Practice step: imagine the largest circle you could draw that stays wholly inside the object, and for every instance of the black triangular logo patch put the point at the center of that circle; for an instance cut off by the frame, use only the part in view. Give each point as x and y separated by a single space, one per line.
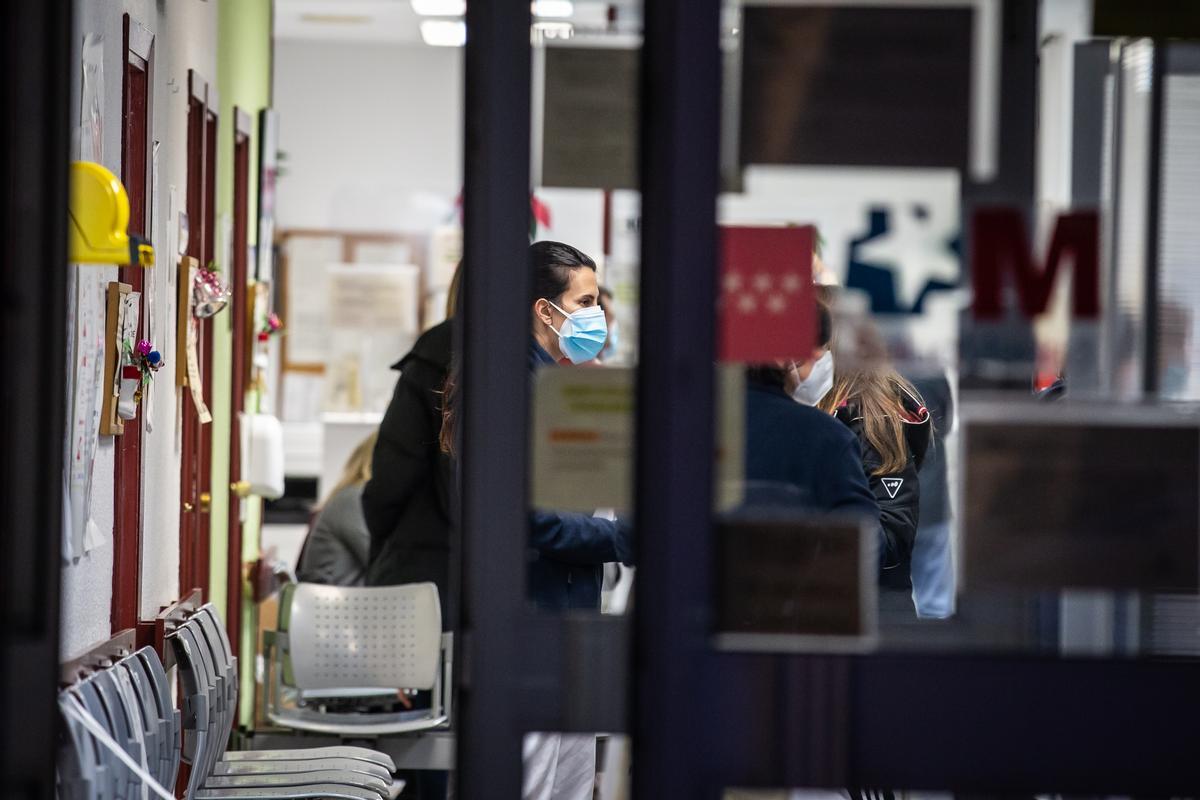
892 485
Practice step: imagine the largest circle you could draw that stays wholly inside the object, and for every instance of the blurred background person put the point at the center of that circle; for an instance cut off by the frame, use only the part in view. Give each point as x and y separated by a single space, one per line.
609 353
933 558
337 547
888 417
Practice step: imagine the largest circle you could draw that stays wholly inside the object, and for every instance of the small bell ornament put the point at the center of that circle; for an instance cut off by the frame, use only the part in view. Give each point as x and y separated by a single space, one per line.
209 293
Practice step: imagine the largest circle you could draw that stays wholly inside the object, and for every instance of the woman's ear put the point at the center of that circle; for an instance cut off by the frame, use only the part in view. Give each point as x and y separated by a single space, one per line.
541 309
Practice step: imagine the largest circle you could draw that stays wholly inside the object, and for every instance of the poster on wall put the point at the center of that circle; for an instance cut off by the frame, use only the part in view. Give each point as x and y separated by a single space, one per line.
268 172
86 374
306 298
91 110
373 319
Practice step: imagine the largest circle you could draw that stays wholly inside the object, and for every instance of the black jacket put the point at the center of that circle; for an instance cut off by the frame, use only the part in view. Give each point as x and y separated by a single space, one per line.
567 550
804 453
406 502
898 494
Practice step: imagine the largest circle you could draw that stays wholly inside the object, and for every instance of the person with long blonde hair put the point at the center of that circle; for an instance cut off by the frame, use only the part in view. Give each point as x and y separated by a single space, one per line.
894 429
337 547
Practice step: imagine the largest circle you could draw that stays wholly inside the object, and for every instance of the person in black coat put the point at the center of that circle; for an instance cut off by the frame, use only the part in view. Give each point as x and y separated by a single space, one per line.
797 452
888 417
893 478
406 501
566 550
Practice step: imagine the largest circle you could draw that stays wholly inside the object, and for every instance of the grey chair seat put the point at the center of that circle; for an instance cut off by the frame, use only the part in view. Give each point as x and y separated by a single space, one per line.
281 766
336 751
323 791
261 780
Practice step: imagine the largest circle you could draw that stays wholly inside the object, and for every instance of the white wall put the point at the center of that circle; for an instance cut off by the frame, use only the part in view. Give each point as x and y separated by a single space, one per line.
185 37
372 134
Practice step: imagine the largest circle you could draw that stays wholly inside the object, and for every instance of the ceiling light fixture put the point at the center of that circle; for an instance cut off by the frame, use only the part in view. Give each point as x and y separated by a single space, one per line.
444 32
336 19
439 8
556 9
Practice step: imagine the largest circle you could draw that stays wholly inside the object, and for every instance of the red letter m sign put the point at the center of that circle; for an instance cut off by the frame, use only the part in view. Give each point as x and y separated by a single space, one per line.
999 245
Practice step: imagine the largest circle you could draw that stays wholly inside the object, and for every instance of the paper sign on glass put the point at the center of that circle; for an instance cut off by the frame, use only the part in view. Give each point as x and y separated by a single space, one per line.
583 421
582 438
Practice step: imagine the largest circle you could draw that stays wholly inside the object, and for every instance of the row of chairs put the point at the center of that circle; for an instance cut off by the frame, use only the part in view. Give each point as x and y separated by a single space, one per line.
127 707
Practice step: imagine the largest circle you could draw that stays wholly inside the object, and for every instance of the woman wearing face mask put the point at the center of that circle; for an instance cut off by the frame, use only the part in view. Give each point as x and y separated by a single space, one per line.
567 550
893 427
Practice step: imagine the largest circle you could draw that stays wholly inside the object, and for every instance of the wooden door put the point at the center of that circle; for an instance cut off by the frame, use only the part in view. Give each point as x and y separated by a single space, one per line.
196 457
127 478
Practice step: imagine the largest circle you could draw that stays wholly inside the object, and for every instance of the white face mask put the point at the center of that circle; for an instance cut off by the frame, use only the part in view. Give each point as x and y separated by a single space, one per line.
818 383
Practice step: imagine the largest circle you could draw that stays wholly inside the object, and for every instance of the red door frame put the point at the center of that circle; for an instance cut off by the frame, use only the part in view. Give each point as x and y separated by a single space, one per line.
204 507
196 457
127 477
240 363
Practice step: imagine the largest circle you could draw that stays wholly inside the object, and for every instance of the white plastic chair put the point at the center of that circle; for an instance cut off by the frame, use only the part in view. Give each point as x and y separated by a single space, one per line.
367 643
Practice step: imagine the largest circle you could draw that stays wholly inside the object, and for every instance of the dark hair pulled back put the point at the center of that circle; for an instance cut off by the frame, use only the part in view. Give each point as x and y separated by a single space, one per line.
552 264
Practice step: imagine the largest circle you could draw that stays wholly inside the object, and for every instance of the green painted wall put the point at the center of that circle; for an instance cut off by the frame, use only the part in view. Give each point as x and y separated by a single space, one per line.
244 43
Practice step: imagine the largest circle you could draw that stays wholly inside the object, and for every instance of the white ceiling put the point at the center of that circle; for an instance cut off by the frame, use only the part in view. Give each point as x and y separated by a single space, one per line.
395 21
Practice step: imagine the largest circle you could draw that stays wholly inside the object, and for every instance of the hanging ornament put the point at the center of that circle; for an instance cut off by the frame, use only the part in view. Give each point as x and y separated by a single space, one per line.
209 293
140 363
272 326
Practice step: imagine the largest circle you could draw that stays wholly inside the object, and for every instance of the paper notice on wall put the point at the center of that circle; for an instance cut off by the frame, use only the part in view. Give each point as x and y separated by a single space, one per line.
193 370
372 314
152 279
171 231
306 293
582 438
91 110
87 373
127 324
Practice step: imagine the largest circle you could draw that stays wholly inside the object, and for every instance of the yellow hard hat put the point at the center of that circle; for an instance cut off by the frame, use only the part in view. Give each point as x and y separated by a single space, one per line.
99 220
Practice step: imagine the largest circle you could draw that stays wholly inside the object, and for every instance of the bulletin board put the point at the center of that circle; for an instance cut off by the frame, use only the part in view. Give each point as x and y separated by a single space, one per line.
304 288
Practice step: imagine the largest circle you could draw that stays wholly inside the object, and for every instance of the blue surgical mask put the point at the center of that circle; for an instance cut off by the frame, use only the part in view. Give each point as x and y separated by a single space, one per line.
612 343
582 334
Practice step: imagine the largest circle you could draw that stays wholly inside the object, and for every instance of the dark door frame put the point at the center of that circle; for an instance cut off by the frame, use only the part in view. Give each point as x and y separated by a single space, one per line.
191 538
135 174
37 52
704 720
